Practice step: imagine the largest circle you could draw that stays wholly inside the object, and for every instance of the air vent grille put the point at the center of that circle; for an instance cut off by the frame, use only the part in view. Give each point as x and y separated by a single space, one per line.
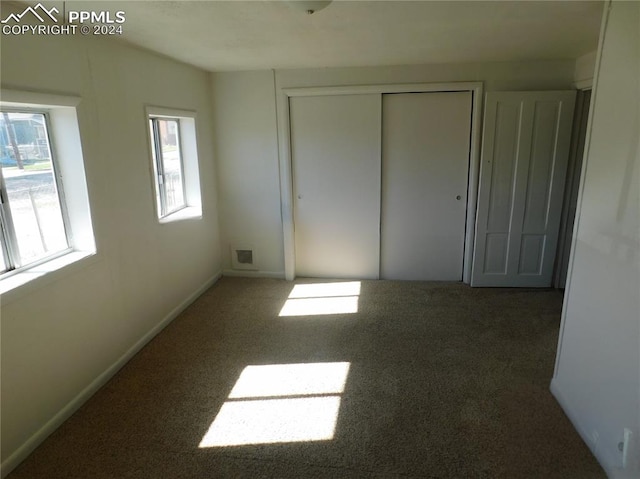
243 257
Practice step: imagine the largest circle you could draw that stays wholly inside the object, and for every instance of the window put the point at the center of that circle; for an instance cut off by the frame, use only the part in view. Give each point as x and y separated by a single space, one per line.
43 227
174 155
32 216
167 159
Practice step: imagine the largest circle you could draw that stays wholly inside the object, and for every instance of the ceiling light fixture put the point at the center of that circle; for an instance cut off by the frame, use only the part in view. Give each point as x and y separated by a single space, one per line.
308 6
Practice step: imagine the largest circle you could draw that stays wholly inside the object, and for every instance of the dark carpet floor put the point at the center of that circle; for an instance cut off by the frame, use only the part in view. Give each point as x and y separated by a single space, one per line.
443 381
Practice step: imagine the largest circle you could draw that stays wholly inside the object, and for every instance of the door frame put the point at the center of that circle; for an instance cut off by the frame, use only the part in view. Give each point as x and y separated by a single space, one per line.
572 184
286 167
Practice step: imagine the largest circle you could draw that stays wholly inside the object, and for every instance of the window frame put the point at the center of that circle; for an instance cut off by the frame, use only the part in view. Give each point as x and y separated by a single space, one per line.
159 167
188 144
8 238
66 142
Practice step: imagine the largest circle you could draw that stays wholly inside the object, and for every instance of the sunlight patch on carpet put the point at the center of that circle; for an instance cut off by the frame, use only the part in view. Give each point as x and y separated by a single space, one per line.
322 299
279 380
323 290
270 421
280 403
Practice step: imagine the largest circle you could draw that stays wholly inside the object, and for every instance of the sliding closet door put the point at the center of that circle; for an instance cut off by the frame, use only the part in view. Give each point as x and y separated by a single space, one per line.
425 168
335 145
525 148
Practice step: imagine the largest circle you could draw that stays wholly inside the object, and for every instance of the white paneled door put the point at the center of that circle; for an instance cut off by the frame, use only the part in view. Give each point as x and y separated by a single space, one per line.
425 169
335 149
524 160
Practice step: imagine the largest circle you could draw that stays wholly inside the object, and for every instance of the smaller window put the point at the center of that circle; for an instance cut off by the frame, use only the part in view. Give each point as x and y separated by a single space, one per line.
168 165
174 164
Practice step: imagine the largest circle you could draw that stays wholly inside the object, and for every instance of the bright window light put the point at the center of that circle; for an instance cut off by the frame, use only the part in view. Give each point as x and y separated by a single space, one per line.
270 421
322 298
33 223
280 403
174 158
276 380
323 290
167 157
42 228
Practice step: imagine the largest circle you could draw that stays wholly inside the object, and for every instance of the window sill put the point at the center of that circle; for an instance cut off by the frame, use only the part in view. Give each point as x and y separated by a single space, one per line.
19 281
188 213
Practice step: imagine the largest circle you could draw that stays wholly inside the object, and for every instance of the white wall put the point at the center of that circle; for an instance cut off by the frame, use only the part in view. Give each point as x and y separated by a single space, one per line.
547 75
247 151
597 377
60 334
246 134
583 74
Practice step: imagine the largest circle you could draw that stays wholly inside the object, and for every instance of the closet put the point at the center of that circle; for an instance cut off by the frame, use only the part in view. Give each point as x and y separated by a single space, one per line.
380 184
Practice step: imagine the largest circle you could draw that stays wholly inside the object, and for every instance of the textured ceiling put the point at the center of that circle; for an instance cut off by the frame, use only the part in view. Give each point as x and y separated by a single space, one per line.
241 35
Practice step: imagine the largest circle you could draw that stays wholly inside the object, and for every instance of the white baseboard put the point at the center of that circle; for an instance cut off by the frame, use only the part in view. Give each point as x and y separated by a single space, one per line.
253 274
56 421
598 451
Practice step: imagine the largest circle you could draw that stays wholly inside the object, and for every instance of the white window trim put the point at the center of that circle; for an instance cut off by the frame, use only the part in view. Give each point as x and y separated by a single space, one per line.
190 166
67 150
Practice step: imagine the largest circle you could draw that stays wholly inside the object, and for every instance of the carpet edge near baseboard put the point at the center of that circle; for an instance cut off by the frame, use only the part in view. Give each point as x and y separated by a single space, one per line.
22 452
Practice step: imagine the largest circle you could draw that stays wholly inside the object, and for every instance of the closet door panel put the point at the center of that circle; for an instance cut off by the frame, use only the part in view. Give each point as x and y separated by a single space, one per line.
425 168
335 145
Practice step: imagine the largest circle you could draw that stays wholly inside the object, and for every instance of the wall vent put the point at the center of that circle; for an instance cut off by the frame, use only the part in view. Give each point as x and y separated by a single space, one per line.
243 257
